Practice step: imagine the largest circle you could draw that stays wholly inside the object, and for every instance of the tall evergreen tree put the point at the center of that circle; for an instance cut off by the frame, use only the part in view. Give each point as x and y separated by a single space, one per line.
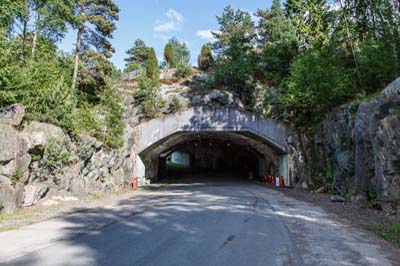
311 19
205 60
95 24
181 51
152 68
234 45
277 38
169 56
235 26
137 55
9 10
51 19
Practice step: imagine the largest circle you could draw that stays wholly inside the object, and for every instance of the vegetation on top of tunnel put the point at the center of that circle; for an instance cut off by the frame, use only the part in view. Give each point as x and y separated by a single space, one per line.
310 56
300 59
296 62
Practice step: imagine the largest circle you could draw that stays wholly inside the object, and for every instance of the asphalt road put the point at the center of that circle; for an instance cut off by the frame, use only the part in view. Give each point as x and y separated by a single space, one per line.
225 223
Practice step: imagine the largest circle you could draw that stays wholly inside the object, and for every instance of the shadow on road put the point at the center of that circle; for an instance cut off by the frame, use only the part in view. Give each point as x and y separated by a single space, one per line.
190 222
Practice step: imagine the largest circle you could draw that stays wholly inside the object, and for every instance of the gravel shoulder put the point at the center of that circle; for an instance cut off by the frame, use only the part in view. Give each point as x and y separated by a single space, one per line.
355 214
31 215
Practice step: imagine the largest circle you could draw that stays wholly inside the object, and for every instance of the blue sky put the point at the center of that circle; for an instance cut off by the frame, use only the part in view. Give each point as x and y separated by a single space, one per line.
155 21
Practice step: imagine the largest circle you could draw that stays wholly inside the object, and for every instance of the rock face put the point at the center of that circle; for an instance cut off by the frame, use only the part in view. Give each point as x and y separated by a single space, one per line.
12 115
334 139
41 162
385 137
41 133
364 179
11 197
358 146
9 145
194 92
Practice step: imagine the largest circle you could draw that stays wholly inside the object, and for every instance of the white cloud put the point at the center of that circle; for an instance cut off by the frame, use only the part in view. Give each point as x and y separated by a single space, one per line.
188 43
205 34
171 21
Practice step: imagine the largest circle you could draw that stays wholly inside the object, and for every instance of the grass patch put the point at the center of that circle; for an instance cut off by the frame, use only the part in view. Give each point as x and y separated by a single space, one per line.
25 214
389 232
155 187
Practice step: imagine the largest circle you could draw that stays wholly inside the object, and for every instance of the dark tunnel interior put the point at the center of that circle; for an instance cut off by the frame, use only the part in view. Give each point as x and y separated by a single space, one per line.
207 156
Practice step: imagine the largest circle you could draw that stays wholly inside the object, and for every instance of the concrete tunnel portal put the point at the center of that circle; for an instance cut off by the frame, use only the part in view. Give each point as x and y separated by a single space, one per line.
211 141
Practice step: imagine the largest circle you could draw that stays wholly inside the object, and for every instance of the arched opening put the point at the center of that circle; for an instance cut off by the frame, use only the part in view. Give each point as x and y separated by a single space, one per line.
217 155
219 141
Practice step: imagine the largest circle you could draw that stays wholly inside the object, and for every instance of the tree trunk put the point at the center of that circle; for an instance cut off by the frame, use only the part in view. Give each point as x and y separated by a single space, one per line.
35 34
76 64
24 37
78 50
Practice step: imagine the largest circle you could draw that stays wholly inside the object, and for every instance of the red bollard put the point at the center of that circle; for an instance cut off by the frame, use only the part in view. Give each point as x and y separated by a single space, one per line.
281 181
134 183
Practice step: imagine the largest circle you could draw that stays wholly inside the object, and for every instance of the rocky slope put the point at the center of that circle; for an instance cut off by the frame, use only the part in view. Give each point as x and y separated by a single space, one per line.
358 147
39 163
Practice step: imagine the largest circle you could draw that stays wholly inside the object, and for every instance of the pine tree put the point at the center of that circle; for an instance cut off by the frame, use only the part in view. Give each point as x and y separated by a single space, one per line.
149 85
137 55
169 55
95 24
51 19
9 10
234 46
205 60
181 52
152 68
277 37
236 27
310 18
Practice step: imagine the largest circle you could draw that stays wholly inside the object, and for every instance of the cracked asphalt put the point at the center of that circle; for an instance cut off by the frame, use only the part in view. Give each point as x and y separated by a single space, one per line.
194 223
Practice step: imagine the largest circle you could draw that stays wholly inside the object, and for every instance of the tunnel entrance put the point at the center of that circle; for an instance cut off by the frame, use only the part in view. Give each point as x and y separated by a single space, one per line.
210 139
218 154
210 155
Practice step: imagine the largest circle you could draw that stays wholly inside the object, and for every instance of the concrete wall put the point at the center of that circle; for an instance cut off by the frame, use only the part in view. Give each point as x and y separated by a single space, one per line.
203 119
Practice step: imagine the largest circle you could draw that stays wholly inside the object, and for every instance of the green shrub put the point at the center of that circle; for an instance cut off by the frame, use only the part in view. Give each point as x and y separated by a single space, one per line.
113 127
175 105
235 72
317 83
56 155
377 65
85 120
148 97
16 176
183 69
389 232
41 85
